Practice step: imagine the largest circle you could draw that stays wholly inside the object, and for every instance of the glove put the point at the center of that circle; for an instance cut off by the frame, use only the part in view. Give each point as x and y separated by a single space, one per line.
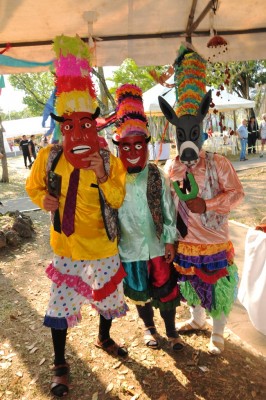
197 205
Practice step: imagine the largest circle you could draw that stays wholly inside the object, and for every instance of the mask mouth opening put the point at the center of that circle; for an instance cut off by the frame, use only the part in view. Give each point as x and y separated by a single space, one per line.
134 170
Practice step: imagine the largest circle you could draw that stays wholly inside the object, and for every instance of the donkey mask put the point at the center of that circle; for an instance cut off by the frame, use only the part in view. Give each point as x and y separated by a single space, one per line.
189 129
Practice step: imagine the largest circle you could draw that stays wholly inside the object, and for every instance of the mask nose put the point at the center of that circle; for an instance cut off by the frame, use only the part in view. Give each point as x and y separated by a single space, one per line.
188 154
76 133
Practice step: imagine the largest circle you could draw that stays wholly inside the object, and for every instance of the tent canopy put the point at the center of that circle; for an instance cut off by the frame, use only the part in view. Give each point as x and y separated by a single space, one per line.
224 102
148 31
26 126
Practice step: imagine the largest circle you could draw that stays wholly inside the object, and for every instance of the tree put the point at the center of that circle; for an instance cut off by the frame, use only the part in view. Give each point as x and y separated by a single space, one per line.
16 115
129 72
5 178
238 77
37 87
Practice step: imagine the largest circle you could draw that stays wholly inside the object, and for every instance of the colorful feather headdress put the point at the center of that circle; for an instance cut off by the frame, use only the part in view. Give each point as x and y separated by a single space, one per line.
190 78
74 87
131 119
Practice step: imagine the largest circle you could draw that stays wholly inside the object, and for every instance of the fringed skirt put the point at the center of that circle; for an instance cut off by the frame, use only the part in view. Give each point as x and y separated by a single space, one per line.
207 276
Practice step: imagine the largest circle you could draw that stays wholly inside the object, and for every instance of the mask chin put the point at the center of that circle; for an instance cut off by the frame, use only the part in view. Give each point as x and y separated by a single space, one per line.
134 170
191 163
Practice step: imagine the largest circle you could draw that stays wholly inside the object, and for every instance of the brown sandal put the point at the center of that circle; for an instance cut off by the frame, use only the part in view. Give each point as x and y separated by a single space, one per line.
60 381
112 348
176 344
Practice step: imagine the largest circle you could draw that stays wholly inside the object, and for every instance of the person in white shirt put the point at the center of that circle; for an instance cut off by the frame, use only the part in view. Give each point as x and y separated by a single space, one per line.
263 134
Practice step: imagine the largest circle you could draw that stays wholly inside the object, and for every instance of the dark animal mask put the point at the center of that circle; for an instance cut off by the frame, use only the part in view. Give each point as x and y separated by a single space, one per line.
189 129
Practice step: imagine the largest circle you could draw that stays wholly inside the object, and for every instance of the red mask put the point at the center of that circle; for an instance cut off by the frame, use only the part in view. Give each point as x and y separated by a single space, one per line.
80 137
133 151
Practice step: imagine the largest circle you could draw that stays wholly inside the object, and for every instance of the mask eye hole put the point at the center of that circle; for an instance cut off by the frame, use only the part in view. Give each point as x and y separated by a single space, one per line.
138 146
194 133
67 127
87 125
126 148
180 135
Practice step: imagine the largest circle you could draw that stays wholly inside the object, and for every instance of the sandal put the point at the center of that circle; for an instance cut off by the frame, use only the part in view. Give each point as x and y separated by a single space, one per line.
189 326
112 348
216 345
151 339
176 343
60 381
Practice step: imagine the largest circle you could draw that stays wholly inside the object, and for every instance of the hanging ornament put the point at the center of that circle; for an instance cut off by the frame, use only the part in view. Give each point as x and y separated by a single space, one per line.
217 44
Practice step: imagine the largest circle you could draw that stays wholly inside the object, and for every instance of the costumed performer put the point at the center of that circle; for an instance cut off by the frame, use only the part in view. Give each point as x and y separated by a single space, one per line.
204 255
86 267
146 222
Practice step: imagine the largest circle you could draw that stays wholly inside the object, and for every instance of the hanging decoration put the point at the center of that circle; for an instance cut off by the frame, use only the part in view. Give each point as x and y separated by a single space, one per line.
163 77
15 62
217 44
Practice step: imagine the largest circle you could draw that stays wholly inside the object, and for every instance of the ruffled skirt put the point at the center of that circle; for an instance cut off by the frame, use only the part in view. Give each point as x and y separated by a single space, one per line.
207 276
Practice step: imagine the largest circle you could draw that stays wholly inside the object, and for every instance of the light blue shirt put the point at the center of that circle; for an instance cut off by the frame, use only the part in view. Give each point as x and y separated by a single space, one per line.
243 131
138 240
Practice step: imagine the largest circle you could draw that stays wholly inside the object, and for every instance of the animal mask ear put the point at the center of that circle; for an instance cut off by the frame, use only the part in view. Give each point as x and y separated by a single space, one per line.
204 105
168 111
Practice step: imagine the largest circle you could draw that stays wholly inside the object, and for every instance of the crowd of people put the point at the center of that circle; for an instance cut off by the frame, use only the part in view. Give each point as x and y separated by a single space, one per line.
249 131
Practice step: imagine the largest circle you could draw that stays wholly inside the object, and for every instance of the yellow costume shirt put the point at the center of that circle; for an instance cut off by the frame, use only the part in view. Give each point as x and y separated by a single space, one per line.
89 240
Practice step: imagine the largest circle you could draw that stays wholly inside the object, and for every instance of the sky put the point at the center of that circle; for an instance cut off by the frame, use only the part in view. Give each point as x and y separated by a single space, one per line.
11 99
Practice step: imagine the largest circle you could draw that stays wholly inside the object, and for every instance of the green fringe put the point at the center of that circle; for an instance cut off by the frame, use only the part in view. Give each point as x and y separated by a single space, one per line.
136 296
189 293
64 45
169 305
224 293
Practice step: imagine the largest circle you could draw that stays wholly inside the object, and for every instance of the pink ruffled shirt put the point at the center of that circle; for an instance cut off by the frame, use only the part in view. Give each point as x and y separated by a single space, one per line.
231 194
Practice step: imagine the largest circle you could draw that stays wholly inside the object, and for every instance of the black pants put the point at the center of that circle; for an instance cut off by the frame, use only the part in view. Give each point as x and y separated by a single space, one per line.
26 157
252 137
146 313
59 339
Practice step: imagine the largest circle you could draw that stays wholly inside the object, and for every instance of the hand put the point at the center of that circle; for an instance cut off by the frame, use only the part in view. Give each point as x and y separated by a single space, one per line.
50 203
95 164
197 205
169 252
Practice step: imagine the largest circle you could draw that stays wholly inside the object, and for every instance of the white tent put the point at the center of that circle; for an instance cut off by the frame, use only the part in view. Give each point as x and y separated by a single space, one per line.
224 102
26 126
148 31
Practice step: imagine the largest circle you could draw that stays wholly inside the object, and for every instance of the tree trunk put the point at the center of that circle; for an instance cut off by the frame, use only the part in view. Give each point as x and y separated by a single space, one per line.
104 91
5 178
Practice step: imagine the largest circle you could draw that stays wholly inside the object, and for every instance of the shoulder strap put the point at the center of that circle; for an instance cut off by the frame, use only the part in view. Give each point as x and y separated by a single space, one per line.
53 158
154 195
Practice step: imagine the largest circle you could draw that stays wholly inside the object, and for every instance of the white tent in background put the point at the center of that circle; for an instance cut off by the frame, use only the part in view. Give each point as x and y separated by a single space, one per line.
224 102
26 126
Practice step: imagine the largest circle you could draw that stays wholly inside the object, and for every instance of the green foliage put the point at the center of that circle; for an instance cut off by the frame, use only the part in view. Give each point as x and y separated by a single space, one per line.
243 75
26 113
129 72
37 87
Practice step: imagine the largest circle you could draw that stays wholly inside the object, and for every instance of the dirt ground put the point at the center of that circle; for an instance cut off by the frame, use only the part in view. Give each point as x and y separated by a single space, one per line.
26 353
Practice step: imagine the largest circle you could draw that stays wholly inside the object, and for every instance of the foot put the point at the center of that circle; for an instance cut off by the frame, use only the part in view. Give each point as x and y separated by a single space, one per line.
176 343
261 155
190 326
151 338
112 348
60 381
216 345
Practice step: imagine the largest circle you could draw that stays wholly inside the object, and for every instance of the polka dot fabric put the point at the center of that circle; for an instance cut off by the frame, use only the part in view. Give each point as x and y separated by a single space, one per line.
97 282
